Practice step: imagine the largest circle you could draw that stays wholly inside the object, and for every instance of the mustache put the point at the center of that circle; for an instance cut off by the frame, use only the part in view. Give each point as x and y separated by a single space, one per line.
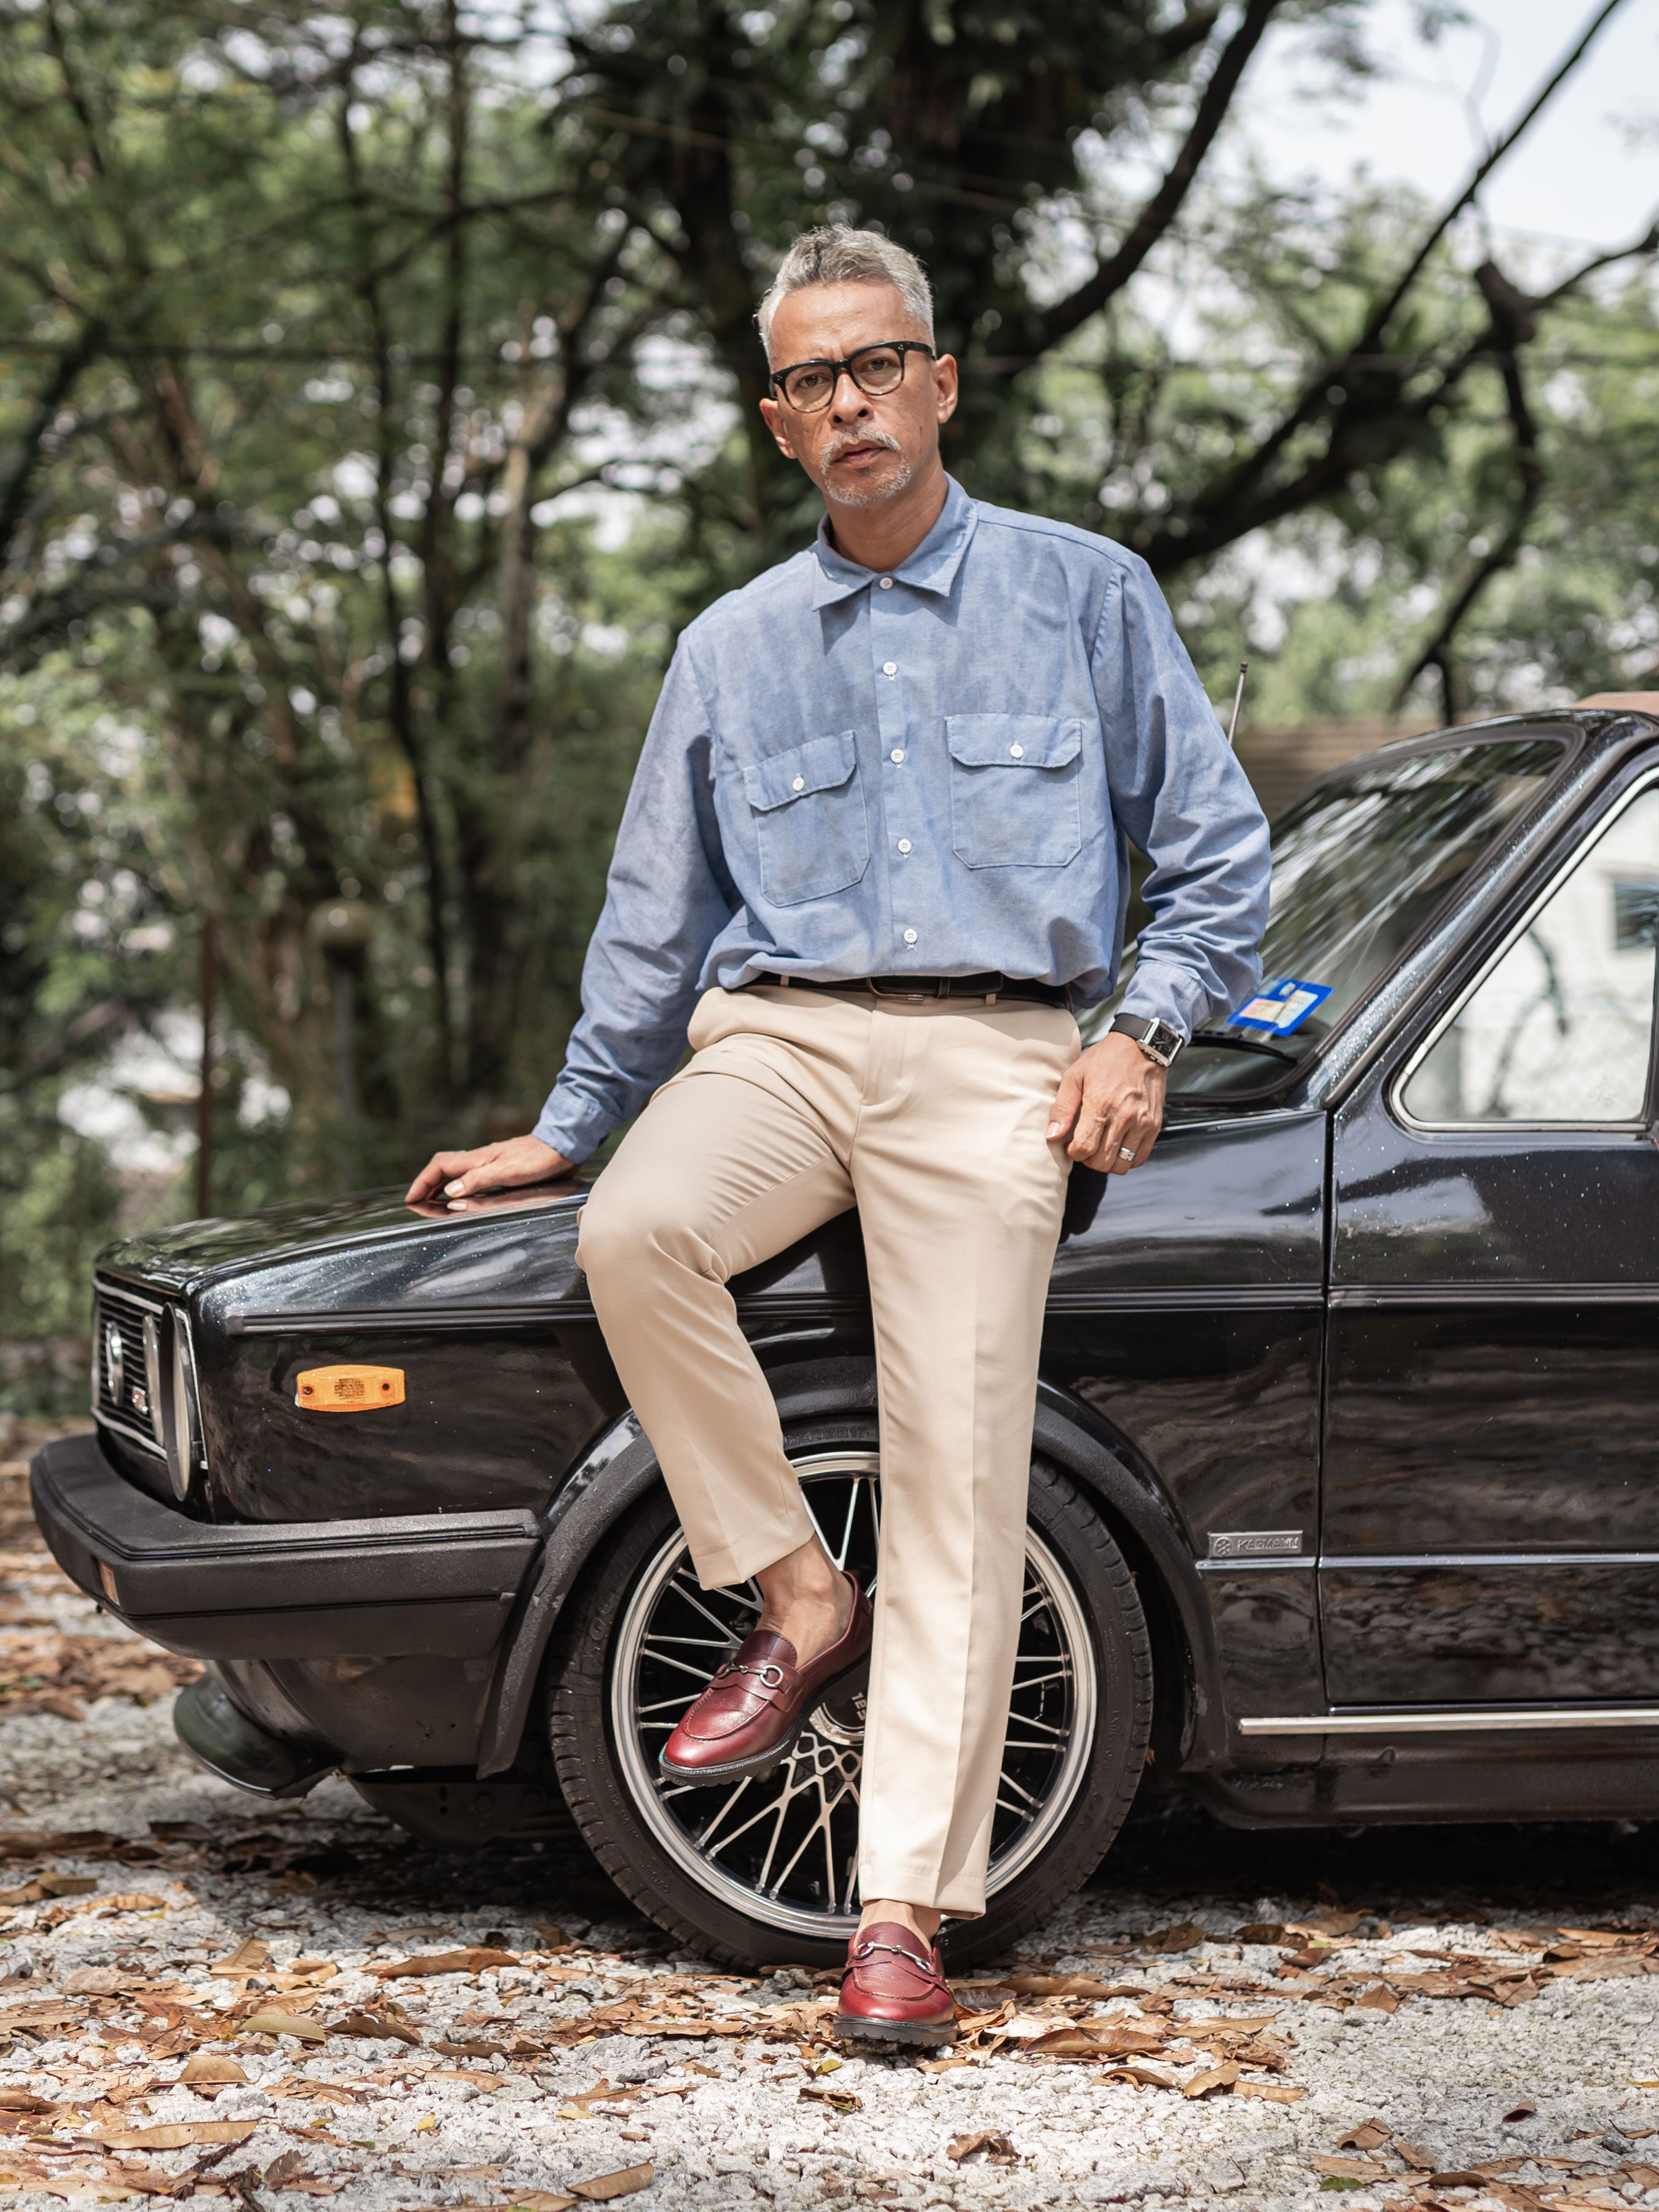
844 441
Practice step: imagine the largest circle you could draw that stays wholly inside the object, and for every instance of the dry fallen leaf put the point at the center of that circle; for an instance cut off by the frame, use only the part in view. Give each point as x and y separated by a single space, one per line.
1275 2092
1369 2135
283 2168
1349 2169
1218 2077
1259 1931
1115 2041
538 2200
1143 2077
825 2093
1379 2000
474 1959
206 2067
249 1956
284 2023
1067 2043
1183 1935
375 2025
999 2151
1523 2111
178 2137
1414 2155
623 2183
1329 1923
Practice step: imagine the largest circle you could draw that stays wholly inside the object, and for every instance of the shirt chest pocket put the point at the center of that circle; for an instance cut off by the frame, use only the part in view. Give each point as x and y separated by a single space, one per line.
1015 789
808 810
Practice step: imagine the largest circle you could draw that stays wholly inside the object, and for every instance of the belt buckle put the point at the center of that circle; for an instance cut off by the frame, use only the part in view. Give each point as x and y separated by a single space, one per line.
903 997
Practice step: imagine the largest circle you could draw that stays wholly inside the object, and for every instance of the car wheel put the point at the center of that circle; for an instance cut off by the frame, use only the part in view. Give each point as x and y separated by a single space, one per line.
762 1871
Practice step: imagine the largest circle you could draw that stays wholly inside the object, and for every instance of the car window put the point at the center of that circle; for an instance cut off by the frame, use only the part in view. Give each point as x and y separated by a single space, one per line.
1359 863
1561 1028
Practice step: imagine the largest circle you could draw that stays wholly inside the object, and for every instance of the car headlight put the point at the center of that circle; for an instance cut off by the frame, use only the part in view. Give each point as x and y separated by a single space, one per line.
180 1402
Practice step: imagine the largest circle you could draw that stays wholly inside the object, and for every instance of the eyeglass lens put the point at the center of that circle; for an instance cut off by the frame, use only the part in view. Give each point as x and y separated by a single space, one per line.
875 370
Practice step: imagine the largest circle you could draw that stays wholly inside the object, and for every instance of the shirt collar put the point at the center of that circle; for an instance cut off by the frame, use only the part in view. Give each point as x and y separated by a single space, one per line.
931 567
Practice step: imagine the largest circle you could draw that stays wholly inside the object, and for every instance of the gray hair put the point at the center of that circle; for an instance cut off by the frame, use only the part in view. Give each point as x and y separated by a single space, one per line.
838 254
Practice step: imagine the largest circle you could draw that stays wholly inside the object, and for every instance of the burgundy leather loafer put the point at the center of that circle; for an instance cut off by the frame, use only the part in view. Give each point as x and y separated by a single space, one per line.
745 1723
893 1990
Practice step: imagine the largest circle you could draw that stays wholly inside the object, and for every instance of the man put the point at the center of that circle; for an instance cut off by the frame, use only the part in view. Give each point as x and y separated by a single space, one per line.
873 855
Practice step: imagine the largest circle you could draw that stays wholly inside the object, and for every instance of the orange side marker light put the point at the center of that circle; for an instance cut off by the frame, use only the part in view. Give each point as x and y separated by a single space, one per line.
348 1389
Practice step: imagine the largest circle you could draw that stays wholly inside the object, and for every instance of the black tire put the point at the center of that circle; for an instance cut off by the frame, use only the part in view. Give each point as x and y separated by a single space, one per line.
1092 1783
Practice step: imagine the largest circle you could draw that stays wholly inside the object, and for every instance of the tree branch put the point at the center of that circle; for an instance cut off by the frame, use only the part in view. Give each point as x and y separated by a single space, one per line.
1161 210
1384 312
1233 491
1437 652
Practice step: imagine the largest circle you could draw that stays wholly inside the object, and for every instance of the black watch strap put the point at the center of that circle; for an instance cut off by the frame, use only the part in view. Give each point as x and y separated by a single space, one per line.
1155 1039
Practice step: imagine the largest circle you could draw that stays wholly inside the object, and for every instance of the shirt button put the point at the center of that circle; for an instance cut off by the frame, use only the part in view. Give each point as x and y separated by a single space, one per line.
889 668
909 936
800 784
886 583
1018 751
904 844
898 753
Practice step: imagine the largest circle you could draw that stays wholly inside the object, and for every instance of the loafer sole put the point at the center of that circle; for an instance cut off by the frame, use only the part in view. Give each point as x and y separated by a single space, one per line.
853 2027
759 1763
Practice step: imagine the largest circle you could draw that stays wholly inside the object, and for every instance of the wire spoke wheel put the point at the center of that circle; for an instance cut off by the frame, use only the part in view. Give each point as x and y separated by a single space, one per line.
781 1849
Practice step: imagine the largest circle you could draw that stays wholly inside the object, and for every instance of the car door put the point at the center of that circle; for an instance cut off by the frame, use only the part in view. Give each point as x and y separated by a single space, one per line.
1490 1503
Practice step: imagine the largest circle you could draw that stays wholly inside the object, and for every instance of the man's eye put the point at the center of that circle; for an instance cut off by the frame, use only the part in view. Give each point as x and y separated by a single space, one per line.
878 364
808 384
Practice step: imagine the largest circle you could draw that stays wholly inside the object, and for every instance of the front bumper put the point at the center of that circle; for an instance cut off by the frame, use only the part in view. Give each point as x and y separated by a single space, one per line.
439 1584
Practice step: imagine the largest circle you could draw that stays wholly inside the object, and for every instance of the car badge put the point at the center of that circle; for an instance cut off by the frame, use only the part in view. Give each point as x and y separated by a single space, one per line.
348 1389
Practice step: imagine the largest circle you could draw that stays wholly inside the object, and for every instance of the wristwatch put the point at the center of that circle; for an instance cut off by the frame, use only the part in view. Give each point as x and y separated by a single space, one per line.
1155 1039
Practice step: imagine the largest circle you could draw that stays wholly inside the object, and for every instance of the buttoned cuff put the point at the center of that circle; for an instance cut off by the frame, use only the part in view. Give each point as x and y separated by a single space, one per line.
1167 993
574 1128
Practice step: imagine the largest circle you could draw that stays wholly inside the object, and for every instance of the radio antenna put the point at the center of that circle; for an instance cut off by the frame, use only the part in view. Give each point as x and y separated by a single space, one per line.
1238 700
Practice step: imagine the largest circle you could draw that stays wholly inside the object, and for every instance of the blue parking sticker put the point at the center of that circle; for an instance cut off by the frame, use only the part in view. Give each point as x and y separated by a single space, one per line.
1281 1006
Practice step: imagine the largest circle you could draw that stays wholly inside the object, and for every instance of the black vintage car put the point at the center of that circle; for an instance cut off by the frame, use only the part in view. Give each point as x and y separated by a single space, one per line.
1344 1500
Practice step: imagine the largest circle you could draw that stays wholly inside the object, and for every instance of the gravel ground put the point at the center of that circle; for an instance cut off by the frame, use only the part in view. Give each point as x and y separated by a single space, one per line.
1423 1982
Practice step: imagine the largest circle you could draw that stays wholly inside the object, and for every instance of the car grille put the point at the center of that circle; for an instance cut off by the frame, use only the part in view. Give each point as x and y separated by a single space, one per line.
120 1387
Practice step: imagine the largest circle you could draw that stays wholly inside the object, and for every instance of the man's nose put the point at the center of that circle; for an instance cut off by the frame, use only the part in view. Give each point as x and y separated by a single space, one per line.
846 399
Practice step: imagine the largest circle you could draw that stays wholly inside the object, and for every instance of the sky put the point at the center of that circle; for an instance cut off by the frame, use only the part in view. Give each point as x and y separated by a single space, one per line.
1586 174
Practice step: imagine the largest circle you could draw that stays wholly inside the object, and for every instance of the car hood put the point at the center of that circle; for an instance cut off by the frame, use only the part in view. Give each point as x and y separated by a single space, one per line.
191 1254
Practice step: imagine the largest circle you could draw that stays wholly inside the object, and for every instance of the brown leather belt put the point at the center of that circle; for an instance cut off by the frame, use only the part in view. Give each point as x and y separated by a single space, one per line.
988 987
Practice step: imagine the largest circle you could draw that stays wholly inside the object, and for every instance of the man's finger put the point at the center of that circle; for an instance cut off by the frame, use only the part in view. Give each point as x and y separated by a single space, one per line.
1067 1101
440 1165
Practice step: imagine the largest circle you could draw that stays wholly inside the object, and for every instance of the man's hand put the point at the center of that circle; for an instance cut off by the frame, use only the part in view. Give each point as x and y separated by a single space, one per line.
489 1167
1111 1101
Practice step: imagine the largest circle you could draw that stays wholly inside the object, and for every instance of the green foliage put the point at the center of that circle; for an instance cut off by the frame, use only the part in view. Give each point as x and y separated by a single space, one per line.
335 342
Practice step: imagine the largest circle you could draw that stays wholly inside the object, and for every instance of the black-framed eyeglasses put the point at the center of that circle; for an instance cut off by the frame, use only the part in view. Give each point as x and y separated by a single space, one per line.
810 385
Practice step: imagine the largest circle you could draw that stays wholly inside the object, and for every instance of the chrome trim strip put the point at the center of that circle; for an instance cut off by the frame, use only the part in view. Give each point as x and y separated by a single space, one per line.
117 1288
1269 1298
1361 1296
1274 1564
1428 1720
133 1436
1366 1562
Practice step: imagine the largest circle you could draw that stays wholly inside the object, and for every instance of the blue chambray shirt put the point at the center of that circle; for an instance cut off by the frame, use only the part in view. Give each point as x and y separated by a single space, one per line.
926 772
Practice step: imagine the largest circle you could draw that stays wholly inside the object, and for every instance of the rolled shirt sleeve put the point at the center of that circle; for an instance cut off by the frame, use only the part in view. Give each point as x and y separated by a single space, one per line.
1177 788
668 895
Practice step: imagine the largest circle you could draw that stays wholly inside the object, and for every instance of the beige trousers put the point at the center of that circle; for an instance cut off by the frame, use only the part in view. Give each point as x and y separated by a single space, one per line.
930 1118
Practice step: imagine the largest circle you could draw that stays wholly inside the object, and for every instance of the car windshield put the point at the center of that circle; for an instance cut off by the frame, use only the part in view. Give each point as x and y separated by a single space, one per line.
1360 862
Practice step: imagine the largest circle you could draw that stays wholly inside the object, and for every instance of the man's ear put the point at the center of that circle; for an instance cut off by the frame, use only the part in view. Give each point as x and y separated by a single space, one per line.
946 385
772 416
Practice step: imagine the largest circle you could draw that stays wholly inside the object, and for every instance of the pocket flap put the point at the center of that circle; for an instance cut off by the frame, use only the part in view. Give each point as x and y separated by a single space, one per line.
821 764
1014 740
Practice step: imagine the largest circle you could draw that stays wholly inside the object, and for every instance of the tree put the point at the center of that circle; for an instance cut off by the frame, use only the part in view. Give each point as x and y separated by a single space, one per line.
986 135
320 323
